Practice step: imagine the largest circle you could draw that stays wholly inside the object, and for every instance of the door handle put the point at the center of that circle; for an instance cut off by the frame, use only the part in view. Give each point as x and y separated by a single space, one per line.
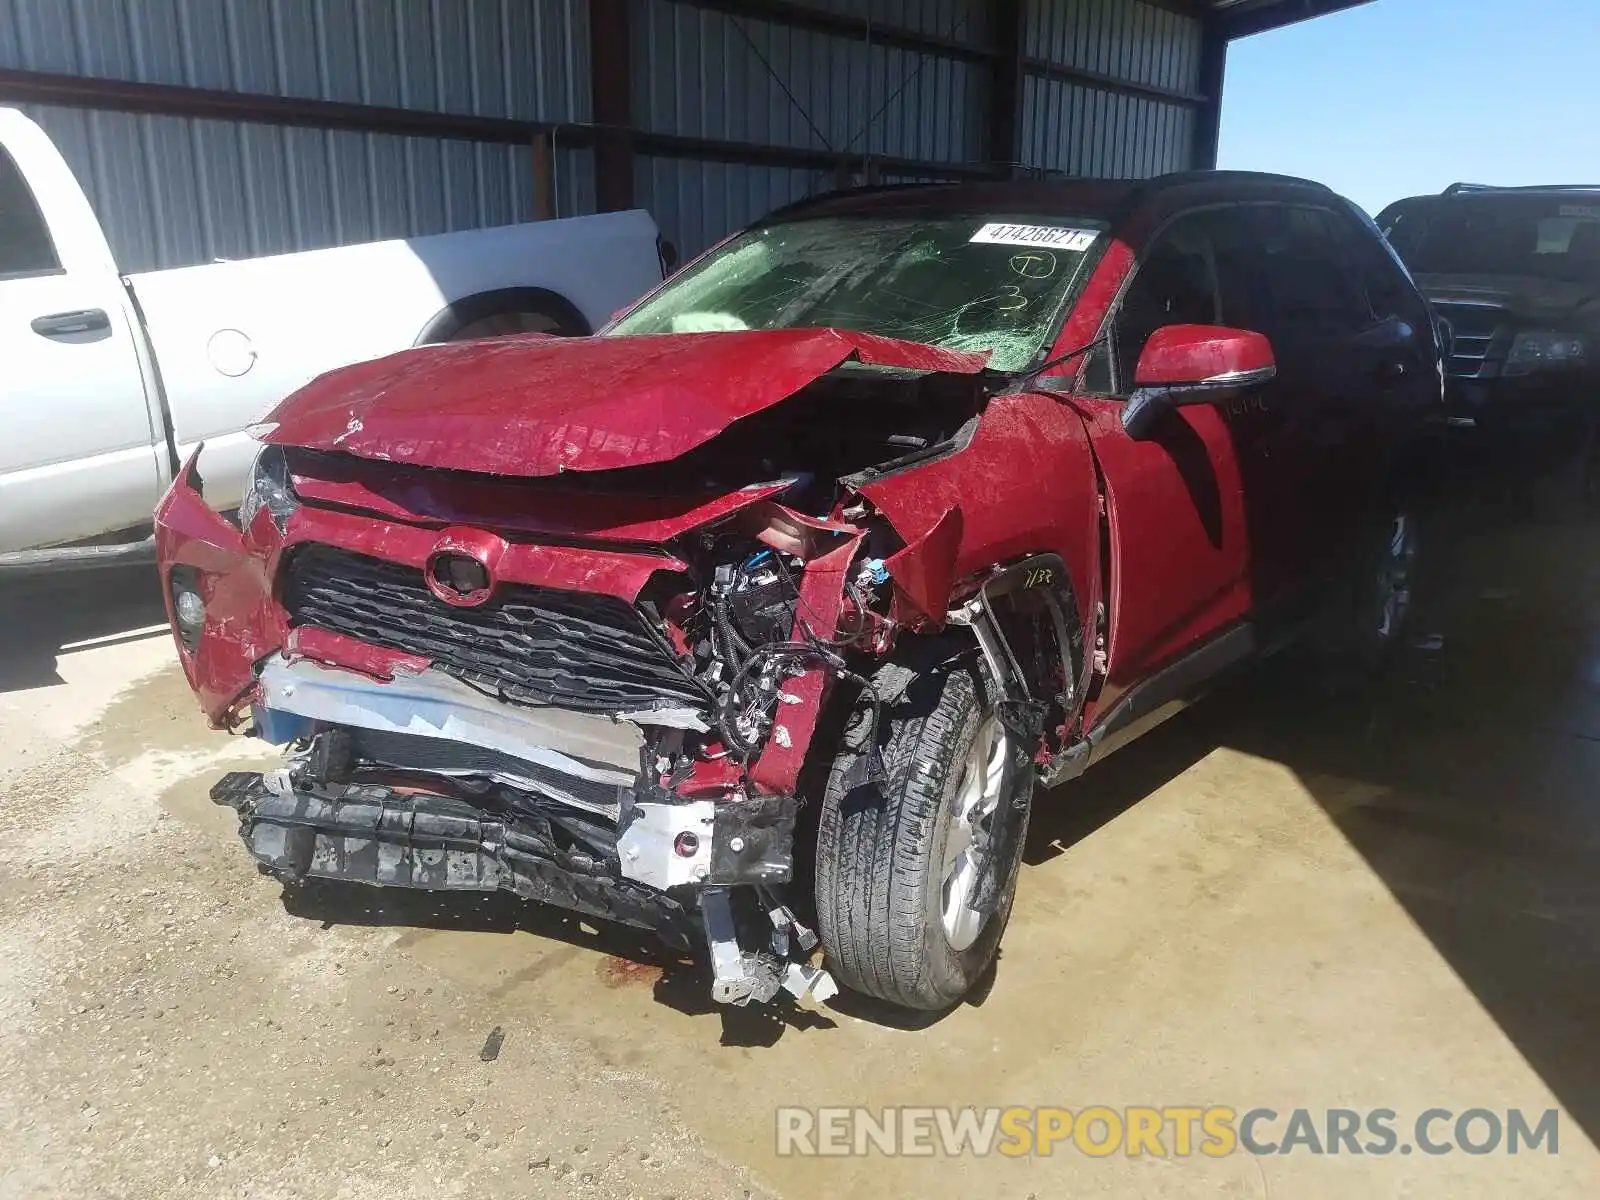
88 320
1392 370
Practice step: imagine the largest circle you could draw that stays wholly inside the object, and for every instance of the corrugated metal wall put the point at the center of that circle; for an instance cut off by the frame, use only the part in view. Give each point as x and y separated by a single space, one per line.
701 73
1081 130
707 74
173 191
696 203
511 58
1087 131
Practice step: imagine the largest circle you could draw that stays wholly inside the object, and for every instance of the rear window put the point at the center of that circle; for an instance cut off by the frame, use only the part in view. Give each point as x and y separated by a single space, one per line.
25 246
1543 237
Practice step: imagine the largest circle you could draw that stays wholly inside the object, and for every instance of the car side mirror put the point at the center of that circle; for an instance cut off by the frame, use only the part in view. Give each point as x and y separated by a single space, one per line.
1194 364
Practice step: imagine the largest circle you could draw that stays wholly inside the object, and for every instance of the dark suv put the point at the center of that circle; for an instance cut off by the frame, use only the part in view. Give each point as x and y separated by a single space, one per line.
764 611
1516 273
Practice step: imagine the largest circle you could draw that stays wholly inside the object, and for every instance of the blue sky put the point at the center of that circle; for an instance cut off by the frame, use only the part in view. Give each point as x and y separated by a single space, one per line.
1400 97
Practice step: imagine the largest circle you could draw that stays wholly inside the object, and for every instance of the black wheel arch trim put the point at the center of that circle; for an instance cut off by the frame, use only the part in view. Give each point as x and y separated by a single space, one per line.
458 314
1018 703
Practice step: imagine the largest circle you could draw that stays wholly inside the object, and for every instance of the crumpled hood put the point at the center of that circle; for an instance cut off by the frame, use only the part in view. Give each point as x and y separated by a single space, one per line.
1529 298
538 405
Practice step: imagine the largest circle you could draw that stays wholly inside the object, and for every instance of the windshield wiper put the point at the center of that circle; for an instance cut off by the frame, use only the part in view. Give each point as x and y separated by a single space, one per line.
1032 373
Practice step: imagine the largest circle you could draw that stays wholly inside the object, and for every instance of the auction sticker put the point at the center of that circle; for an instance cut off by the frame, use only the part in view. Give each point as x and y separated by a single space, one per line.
1055 237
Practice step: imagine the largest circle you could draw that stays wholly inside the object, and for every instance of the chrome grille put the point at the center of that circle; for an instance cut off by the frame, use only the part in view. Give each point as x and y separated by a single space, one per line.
1475 345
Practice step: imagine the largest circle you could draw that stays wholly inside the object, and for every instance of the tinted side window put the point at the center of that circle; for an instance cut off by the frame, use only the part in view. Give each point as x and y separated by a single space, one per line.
1176 284
25 246
1286 268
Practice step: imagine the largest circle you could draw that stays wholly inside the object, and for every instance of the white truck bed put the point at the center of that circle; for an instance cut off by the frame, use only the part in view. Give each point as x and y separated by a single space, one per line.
110 380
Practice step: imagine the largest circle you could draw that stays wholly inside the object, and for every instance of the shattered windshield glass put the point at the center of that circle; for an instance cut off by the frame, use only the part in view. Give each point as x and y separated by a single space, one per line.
961 282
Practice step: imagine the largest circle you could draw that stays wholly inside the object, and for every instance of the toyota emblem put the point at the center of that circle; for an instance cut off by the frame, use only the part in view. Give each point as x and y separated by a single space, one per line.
458 579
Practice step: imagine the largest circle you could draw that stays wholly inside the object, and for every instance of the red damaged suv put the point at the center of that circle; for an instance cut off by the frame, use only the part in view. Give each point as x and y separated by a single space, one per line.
768 613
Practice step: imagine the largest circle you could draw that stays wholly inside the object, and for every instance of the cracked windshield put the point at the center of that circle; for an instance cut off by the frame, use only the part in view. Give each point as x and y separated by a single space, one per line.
960 282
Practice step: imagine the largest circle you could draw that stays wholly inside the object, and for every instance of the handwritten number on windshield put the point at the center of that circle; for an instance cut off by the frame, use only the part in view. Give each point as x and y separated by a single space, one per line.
1011 299
1035 264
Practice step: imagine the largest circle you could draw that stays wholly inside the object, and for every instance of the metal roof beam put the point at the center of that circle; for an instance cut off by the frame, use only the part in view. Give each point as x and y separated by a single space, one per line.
798 16
1109 83
1258 16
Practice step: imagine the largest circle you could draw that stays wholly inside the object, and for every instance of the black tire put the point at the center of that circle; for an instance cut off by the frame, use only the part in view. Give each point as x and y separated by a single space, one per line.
1384 600
1377 611
503 313
880 849
509 324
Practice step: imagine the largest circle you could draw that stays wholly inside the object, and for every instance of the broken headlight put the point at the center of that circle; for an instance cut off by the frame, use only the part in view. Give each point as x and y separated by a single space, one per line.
1543 349
268 487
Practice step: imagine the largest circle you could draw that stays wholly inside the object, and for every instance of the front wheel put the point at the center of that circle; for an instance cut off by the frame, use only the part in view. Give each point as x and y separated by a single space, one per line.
916 871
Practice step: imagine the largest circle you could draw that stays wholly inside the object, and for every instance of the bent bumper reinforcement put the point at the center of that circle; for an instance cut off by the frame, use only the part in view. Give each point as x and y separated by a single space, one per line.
374 835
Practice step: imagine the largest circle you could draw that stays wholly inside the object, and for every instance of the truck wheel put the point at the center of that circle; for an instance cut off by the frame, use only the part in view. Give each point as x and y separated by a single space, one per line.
900 860
503 313
508 324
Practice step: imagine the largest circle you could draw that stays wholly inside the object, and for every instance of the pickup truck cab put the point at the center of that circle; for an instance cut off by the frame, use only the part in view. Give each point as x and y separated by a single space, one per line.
110 380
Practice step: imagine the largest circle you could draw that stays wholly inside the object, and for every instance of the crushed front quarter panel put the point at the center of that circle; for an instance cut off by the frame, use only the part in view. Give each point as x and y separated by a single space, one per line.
965 513
241 625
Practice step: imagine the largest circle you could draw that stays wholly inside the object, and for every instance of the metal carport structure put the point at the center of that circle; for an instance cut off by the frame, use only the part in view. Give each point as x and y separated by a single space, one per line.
208 130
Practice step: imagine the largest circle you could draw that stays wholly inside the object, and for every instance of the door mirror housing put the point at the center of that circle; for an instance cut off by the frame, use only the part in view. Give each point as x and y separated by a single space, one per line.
1194 364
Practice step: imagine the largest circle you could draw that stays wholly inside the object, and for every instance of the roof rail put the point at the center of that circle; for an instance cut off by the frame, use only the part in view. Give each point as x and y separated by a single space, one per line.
1457 189
785 211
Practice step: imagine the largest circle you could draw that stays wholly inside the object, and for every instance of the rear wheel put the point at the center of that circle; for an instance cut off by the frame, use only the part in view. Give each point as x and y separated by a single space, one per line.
916 871
1386 585
509 324
504 313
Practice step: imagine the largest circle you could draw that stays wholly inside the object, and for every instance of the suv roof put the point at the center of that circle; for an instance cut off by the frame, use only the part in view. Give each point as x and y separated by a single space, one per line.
1108 198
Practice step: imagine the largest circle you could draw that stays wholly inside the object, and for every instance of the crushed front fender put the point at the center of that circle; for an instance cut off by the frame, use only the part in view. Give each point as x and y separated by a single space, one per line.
198 550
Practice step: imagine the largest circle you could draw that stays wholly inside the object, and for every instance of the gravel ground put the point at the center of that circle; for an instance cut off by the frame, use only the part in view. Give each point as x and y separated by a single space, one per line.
170 1029
1272 901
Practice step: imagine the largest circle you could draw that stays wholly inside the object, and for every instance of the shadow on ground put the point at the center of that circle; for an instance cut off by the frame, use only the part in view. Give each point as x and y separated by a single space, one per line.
1474 765
40 616
626 956
1468 779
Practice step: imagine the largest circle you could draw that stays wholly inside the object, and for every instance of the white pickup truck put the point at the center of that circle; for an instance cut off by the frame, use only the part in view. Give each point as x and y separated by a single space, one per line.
107 381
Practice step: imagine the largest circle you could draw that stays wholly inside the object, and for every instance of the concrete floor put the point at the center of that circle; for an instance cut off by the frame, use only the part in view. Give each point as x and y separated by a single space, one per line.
1280 899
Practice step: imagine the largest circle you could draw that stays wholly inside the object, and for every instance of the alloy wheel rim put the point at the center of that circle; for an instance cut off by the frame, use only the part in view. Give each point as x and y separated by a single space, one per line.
976 800
1395 574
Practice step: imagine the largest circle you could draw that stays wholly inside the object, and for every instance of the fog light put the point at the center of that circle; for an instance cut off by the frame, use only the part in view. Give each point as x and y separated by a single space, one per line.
686 843
191 610
188 606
